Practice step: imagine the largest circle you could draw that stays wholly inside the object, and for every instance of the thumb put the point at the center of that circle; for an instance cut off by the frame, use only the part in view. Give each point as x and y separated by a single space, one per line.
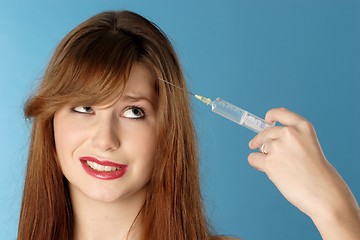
257 161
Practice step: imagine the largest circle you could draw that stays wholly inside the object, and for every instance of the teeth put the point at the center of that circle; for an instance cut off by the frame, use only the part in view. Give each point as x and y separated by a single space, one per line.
101 168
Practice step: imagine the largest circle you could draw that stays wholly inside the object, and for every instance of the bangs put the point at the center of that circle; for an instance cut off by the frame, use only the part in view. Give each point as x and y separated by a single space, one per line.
97 68
87 68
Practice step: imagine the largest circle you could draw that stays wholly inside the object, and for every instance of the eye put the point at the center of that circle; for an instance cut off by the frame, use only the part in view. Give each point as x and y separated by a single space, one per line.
83 109
134 112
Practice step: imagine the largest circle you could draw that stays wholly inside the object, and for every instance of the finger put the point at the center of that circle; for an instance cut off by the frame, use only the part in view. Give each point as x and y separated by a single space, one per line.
266 135
284 116
257 161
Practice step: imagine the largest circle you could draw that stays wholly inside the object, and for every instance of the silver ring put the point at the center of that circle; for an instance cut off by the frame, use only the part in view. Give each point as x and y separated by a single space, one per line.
262 149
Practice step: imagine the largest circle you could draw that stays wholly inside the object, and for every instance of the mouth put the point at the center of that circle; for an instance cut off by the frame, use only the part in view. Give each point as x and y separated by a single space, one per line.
101 168
105 170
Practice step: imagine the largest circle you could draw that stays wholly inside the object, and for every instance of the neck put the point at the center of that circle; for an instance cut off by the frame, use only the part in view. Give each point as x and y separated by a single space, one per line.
94 219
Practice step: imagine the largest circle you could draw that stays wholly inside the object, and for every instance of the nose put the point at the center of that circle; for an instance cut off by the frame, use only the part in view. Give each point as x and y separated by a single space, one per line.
105 137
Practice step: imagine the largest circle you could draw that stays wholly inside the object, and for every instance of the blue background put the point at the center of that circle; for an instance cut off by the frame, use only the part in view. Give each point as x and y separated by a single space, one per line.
259 54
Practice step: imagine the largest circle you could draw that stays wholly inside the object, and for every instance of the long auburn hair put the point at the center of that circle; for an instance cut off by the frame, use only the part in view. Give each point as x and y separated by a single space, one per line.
91 64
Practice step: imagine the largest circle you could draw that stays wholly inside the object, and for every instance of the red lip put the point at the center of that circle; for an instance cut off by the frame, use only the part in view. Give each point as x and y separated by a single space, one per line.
102 174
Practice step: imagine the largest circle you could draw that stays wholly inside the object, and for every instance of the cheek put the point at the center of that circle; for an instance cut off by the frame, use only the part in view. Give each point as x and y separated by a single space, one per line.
142 144
67 137
146 137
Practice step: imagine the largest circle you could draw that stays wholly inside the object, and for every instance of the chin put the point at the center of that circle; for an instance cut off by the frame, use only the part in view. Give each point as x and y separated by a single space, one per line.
104 195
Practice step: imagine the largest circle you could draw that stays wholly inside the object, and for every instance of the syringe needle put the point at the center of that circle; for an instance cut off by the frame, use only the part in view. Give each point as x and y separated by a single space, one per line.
177 86
205 100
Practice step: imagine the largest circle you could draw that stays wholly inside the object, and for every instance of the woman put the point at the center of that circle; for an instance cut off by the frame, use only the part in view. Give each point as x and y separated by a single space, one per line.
113 151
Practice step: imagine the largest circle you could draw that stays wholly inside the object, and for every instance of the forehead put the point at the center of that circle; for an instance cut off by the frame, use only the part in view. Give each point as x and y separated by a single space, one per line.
101 88
140 81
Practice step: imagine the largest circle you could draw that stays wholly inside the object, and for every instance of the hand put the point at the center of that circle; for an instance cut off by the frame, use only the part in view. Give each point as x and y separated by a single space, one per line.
297 166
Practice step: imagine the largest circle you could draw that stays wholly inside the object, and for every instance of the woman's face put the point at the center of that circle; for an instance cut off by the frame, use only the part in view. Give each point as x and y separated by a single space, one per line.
106 152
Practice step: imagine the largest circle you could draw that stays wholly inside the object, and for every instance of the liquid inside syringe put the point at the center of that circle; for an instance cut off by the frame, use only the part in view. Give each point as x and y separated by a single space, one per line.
236 114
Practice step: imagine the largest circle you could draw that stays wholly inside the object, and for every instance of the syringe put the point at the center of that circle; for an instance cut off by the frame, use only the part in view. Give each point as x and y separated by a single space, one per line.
231 112
236 114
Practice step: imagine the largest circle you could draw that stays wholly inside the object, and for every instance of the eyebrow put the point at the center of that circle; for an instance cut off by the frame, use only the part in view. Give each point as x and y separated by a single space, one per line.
137 98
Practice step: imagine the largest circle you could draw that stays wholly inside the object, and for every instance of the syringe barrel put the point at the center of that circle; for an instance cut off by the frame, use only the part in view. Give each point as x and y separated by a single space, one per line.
238 115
